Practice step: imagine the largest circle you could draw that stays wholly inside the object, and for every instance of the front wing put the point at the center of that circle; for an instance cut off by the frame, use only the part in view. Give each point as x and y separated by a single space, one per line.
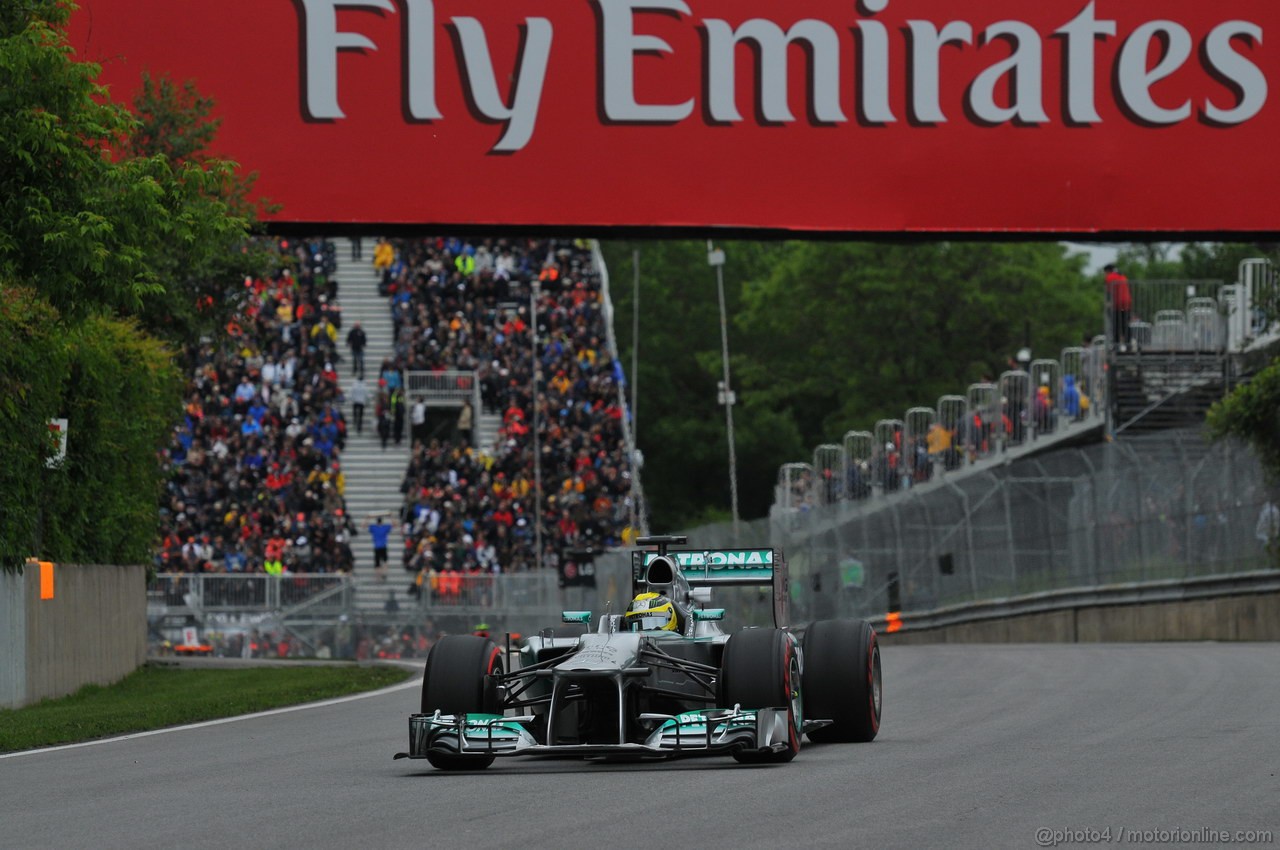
706 732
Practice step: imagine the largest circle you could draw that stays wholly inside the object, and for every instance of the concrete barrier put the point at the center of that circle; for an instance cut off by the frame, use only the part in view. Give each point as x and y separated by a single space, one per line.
1253 617
65 626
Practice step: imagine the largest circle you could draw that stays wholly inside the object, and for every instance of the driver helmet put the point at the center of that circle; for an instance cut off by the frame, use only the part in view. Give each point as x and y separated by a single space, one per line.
650 611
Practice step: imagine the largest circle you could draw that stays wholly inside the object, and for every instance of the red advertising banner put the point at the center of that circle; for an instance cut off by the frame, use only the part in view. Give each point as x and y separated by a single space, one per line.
878 116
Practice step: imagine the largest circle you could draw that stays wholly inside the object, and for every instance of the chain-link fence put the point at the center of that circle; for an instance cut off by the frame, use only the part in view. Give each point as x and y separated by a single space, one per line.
1166 506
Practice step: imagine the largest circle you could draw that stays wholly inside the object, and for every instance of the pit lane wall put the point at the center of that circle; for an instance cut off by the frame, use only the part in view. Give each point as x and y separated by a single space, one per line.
63 626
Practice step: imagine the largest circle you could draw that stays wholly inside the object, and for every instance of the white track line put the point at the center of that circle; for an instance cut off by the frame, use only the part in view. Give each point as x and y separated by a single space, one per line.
411 682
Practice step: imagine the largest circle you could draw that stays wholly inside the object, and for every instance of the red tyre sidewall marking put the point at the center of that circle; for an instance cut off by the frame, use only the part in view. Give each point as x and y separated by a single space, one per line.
488 671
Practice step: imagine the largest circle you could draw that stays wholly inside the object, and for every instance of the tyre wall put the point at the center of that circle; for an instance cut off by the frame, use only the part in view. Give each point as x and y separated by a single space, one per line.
87 625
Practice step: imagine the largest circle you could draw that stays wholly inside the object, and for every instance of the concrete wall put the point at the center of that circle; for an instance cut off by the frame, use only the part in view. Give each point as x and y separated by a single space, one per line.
13 639
1227 618
93 630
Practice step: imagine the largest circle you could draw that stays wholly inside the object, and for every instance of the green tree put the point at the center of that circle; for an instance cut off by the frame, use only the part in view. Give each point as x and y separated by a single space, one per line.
32 365
176 121
202 275
824 337
680 425
86 216
847 333
1251 413
106 221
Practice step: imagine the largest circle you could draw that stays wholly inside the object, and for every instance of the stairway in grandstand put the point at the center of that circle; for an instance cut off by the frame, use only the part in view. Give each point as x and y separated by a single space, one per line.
373 475
487 427
1155 392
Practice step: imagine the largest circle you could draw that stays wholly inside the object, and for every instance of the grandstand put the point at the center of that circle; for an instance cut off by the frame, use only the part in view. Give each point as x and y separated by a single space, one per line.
251 514
475 321
465 323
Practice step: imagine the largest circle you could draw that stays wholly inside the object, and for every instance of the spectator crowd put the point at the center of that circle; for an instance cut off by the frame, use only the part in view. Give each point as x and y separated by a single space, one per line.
255 481
465 305
254 477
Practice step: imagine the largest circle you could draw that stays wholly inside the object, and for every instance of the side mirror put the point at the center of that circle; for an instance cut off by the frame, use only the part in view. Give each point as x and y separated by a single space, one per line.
701 595
583 617
701 614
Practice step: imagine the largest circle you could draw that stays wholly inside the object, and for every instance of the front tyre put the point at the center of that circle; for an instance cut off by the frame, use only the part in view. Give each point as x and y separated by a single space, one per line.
761 669
455 683
842 680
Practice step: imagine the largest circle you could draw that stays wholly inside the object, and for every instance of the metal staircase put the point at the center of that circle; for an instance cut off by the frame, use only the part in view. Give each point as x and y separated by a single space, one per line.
1154 393
373 474
486 433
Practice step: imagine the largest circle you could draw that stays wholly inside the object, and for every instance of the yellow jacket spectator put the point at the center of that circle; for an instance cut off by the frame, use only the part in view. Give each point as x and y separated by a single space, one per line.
939 439
383 255
326 327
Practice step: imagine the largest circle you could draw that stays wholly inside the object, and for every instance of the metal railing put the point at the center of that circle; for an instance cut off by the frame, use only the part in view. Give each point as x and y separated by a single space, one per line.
199 592
444 388
959 431
1174 316
503 592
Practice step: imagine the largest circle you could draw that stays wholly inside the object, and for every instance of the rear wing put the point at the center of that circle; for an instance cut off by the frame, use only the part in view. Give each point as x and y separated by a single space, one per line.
707 567
722 568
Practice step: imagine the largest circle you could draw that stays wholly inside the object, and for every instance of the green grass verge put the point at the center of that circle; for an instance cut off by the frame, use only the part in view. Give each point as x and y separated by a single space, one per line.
155 697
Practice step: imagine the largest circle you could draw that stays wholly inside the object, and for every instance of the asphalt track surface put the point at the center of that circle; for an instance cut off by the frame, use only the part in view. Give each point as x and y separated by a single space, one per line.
980 746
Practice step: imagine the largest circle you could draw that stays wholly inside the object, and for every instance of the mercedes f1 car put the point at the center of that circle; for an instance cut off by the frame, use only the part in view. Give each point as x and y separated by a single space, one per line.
662 680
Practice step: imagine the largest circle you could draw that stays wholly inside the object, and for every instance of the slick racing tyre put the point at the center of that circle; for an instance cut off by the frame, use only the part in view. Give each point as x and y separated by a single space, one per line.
842 680
454 683
760 669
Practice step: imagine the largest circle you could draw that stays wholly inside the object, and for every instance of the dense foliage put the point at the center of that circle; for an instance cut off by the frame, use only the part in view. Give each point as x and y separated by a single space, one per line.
1252 413
32 367
1195 261
824 337
116 388
113 231
94 211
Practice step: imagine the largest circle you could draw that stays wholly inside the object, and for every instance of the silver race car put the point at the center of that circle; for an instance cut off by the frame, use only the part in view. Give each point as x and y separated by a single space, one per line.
661 680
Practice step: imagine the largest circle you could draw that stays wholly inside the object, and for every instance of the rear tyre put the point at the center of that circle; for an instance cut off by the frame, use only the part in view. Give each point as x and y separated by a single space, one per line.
761 669
455 683
842 680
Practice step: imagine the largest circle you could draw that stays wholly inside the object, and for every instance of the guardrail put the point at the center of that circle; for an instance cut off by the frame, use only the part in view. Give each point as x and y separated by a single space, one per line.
1129 593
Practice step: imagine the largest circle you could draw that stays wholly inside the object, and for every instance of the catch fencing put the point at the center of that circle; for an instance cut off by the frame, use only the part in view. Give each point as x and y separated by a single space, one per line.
1155 510
257 592
1168 506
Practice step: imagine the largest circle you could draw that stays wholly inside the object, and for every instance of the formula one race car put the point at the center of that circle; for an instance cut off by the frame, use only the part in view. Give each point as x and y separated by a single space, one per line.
661 680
